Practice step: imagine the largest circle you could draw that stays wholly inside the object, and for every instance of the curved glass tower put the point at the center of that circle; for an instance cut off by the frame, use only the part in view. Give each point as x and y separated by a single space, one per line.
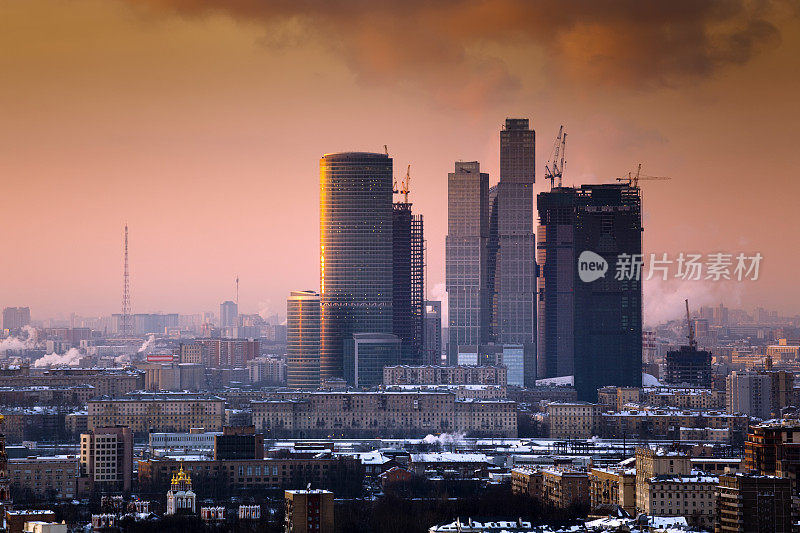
302 340
355 252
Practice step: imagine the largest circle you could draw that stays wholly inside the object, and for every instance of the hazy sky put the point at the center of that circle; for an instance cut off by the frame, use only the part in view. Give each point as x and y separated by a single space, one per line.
202 127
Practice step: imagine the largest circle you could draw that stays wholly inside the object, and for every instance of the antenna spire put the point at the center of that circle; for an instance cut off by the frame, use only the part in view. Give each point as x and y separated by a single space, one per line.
125 327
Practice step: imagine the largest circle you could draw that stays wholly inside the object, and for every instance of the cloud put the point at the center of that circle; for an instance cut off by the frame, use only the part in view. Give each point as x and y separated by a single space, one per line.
456 50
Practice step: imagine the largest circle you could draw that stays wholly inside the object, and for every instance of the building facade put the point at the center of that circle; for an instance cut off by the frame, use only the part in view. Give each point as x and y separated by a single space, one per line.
590 329
107 458
309 511
513 301
160 412
748 502
466 261
381 414
432 354
408 291
302 340
355 252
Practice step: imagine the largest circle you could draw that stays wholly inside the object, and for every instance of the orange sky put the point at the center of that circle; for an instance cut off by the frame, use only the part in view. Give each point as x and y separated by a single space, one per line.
203 127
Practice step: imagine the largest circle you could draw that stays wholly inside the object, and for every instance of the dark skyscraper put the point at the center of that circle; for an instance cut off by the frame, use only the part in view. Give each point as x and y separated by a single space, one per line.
590 329
355 252
433 333
466 260
512 246
302 340
408 310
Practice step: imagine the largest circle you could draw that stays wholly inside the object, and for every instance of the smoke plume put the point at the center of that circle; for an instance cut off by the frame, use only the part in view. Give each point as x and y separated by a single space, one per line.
22 342
147 344
71 358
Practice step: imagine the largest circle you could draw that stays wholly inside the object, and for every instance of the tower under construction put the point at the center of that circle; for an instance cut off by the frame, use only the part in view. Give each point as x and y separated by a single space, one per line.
408 294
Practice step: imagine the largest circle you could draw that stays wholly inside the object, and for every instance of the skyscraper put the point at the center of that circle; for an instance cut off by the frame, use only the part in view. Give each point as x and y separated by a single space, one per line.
302 340
228 314
355 252
15 318
433 333
466 263
590 329
408 282
512 237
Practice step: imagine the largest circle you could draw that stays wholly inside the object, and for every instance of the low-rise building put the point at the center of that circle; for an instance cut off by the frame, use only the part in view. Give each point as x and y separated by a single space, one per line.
309 511
613 486
381 414
579 420
46 478
666 485
445 375
565 488
161 412
526 480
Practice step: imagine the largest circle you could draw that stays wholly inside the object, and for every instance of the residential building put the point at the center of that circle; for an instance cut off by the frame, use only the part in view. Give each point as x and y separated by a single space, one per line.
381 414
15 318
106 381
251 474
309 511
526 480
267 371
666 485
107 458
302 340
773 449
752 502
48 478
591 329
146 412
228 353
356 264
445 375
466 263
228 314
613 486
579 420
565 488
749 394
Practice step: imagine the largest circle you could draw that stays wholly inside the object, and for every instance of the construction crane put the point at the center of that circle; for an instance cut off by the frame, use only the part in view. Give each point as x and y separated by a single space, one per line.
692 341
555 168
405 185
633 181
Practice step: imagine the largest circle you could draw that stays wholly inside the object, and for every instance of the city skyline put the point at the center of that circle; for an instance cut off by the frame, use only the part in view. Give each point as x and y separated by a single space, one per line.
188 158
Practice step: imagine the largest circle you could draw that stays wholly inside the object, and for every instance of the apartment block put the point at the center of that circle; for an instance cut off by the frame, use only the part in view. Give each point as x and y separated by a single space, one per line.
574 420
160 412
381 414
564 488
445 375
751 502
47 478
107 458
613 486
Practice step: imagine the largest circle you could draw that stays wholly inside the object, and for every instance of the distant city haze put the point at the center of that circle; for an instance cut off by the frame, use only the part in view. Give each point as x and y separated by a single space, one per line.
203 130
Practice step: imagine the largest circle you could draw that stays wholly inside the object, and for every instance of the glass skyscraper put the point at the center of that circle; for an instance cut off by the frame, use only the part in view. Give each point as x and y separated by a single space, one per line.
513 253
466 262
302 340
355 252
589 329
